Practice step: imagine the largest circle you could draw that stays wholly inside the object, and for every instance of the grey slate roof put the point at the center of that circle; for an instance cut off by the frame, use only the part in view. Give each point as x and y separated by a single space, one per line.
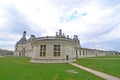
23 39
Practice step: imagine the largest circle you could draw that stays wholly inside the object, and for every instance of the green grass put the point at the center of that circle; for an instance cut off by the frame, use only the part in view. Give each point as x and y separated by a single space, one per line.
110 66
19 68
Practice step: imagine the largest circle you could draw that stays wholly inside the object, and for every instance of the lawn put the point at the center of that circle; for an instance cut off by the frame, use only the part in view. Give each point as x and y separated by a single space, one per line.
107 64
19 68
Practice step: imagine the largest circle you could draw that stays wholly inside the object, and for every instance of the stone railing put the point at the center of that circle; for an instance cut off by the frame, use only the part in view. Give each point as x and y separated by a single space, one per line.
53 38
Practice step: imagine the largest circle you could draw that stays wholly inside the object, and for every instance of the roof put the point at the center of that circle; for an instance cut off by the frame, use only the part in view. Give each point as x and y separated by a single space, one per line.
23 39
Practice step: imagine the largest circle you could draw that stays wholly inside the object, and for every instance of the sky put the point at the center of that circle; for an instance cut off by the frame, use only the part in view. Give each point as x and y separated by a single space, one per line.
96 22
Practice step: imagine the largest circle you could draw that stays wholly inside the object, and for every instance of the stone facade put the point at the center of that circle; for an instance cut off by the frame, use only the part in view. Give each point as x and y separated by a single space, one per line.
20 47
55 49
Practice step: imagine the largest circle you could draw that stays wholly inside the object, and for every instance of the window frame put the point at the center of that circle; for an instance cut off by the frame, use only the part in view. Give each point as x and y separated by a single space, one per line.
56 50
42 50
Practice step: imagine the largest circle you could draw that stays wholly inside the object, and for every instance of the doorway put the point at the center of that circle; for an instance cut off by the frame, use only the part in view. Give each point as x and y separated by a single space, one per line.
67 57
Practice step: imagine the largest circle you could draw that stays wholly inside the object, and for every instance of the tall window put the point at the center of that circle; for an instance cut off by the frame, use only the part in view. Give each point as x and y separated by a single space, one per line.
83 52
57 50
80 52
43 50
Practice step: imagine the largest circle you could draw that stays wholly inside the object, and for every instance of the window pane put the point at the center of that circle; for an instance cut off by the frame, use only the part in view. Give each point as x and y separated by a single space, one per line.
44 53
42 50
56 50
40 53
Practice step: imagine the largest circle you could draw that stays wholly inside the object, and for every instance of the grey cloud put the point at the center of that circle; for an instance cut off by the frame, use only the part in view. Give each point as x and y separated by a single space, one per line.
17 21
100 37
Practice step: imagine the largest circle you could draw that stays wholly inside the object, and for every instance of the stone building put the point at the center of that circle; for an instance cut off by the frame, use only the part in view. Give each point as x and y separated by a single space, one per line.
54 49
20 47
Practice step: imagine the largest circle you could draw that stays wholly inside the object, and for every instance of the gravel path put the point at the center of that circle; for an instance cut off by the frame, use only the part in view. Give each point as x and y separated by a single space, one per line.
97 73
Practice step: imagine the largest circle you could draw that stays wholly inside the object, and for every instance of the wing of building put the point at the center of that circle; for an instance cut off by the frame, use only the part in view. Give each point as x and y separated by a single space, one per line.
55 49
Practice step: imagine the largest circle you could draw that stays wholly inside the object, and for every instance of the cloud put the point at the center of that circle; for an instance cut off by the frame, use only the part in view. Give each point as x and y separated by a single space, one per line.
13 24
41 15
31 17
98 29
96 22
106 36
72 16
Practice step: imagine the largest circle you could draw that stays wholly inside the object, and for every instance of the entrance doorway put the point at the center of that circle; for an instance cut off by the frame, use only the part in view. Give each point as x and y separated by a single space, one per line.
67 57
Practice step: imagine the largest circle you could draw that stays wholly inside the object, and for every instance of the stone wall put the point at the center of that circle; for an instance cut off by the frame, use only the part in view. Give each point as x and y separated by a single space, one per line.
85 52
67 50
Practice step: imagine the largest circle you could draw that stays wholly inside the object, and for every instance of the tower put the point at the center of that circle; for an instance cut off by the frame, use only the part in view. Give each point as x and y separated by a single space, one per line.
24 34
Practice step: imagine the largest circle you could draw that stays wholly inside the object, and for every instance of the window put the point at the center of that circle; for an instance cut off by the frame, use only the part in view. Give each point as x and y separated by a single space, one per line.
80 52
56 50
42 50
15 49
83 52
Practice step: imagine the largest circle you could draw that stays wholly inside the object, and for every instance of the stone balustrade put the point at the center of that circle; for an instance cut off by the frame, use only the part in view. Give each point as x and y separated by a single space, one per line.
54 38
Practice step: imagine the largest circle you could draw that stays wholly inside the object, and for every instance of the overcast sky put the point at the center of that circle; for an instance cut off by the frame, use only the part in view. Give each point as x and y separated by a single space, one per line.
96 22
